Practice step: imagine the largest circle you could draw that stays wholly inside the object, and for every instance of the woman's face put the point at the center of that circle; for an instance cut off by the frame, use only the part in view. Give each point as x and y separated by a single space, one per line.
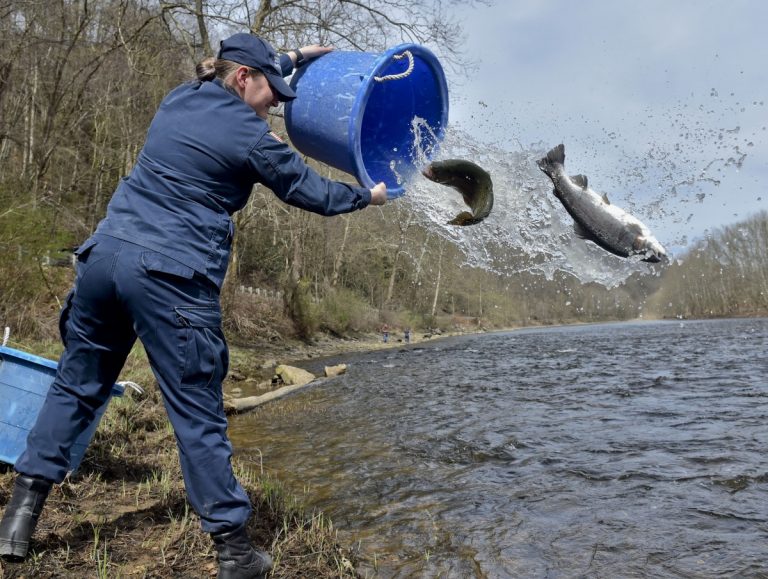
256 91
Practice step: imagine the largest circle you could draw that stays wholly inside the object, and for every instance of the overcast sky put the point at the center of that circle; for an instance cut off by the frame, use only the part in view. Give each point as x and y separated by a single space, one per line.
661 103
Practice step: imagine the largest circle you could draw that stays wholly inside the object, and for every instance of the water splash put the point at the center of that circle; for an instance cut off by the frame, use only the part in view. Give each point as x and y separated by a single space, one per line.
665 180
528 230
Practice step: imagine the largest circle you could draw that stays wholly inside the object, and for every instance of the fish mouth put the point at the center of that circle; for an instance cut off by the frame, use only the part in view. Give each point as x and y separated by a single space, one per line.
427 172
650 250
656 257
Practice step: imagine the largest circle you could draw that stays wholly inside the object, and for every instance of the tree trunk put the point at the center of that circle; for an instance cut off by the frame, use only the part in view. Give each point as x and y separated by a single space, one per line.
264 9
337 261
437 283
202 28
404 224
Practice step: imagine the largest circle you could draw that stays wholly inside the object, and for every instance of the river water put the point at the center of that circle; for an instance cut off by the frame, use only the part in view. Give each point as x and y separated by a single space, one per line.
617 450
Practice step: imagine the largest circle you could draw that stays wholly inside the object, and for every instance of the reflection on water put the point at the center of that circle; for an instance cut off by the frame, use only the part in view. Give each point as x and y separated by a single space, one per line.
622 450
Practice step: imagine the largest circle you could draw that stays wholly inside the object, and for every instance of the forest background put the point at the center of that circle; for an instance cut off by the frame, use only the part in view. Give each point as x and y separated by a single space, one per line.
79 84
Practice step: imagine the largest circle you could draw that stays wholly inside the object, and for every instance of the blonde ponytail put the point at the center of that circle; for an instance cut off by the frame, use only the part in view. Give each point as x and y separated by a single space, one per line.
206 69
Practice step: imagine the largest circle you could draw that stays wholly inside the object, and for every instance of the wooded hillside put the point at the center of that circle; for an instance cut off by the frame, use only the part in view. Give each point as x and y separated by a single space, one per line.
79 84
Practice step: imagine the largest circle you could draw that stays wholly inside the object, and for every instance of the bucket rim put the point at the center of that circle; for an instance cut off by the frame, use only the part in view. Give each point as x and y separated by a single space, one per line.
27 357
15 355
356 119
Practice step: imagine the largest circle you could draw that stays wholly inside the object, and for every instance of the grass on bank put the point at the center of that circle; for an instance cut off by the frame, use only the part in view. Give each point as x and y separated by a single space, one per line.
124 513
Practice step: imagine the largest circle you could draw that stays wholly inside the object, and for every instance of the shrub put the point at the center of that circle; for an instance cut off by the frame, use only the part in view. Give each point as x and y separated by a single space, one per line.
298 303
341 311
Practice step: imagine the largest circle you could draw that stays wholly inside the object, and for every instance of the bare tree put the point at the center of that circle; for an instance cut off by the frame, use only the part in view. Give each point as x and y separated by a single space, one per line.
371 25
725 274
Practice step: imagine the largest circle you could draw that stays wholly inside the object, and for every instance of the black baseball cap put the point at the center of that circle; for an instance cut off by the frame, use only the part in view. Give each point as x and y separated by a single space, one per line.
250 50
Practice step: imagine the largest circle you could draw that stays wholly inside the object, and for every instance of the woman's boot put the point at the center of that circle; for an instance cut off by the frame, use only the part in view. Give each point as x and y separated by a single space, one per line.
237 557
20 516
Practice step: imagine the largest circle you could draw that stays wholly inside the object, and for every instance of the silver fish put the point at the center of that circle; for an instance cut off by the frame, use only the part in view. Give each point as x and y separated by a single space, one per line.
473 182
595 218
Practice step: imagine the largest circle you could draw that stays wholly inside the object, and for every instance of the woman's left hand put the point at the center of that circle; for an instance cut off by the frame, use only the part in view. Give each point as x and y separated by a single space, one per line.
308 53
314 50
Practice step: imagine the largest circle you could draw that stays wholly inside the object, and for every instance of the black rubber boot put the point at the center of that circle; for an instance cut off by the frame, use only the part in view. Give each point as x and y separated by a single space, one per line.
237 557
20 516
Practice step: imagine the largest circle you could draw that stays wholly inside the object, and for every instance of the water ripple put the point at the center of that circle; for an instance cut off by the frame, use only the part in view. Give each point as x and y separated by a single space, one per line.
553 452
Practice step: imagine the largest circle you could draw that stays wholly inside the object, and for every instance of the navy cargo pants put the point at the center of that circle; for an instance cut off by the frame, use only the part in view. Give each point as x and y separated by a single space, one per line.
123 291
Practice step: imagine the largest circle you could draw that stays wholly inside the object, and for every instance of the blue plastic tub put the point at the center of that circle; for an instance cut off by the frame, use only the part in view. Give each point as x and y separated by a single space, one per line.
355 111
24 383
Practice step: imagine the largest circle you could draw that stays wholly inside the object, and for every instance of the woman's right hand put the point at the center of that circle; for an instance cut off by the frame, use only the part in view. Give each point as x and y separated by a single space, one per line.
379 194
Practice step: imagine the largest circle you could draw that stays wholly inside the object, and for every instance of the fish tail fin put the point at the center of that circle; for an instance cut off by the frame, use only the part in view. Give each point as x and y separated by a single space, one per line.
555 157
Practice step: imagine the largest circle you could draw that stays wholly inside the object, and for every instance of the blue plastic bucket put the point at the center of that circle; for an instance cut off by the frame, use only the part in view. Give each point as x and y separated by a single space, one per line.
24 383
362 113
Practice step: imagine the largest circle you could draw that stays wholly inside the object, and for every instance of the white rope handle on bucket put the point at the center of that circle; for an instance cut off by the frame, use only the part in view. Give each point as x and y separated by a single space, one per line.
127 384
408 54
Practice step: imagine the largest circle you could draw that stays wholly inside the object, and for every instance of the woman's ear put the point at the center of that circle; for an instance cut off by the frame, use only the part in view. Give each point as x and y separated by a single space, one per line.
241 75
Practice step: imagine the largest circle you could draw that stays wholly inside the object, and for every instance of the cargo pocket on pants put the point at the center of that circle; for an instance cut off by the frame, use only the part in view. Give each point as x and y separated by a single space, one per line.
204 349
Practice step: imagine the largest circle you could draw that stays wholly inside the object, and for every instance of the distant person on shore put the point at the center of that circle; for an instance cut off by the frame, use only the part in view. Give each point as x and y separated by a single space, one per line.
385 333
407 335
154 269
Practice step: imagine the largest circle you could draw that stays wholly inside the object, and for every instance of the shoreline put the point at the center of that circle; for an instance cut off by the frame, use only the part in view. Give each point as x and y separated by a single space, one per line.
295 351
254 363
328 346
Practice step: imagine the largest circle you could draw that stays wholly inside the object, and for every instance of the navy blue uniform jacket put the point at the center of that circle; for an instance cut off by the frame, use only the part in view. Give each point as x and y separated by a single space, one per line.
204 151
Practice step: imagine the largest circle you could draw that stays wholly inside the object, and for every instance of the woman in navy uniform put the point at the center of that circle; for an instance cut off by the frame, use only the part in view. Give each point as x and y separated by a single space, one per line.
153 270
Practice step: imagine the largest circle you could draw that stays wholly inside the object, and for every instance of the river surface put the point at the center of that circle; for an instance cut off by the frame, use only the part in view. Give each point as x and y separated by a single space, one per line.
617 450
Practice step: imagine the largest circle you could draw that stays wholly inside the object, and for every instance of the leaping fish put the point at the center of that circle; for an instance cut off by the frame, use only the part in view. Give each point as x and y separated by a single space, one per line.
596 219
473 182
